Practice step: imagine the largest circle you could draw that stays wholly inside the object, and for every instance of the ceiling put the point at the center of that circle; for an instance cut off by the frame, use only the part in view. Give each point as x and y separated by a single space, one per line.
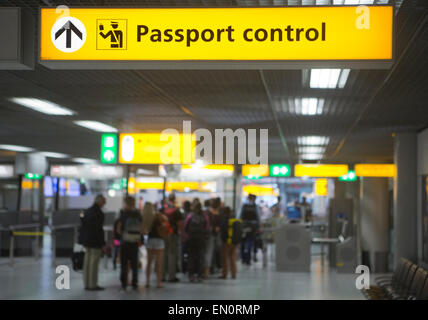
360 119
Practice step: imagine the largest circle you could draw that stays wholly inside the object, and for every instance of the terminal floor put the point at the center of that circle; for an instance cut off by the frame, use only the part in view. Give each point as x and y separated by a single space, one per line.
29 279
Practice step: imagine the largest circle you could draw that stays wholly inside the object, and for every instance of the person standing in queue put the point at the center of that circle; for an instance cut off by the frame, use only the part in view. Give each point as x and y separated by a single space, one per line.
157 232
130 228
215 262
92 238
250 223
231 236
171 253
196 227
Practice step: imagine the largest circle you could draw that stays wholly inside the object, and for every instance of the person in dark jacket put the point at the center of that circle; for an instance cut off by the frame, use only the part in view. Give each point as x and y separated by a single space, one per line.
92 238
130 227
250 216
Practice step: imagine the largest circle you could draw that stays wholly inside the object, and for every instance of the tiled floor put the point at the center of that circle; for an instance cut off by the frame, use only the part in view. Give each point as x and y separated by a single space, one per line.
36 280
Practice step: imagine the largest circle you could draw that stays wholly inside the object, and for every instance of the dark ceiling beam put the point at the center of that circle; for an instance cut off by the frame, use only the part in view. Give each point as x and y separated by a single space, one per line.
275 115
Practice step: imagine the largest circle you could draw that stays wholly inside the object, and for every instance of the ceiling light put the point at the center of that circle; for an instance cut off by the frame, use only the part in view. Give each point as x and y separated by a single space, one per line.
84 160
95 125
308 106
11 147
355 2
43 106
54 155
311 150
311 156
328 78
343 78
313 140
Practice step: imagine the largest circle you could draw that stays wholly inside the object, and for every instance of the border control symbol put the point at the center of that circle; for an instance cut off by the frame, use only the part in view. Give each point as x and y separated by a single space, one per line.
112 34
68 34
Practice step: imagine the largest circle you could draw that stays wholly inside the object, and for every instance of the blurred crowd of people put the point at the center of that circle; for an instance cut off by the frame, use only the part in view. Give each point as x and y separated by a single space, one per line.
200 239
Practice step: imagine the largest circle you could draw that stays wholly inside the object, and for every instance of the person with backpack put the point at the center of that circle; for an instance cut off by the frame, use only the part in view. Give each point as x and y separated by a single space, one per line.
92 238
213 247
231 236
116 243
171 252
130 229
196 227
157 232
250 216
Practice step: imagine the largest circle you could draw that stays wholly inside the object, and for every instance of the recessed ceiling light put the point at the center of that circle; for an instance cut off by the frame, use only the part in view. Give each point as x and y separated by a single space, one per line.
313 140
11 147
308 106
84 160
311 156
95 126
43 106
309 150
54 155
328 78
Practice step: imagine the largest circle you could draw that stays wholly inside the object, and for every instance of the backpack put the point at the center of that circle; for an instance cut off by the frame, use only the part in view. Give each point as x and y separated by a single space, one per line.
196 227
131 227
169 213
249 212
234 231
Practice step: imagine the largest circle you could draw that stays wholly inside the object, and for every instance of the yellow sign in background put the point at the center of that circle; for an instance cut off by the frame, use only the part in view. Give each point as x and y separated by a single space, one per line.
151 148
320 170
343 39
375 170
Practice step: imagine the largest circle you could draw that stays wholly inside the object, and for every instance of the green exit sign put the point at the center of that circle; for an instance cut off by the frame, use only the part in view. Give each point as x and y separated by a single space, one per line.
33 176
279 170
351 176
109 148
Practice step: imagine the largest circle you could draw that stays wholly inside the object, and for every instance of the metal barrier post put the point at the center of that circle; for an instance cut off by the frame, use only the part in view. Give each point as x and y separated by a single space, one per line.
11 248
105 253
53 239
37 248
264 251
75 235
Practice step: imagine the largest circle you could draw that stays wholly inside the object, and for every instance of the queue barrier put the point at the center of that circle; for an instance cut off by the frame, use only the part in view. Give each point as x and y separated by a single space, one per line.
66 237
15 231
23 245
54 228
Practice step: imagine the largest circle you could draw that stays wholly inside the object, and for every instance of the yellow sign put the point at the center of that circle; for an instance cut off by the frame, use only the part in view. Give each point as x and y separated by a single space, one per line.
320 170
255 170
344 33
175 186
375 170
260 190
157 148
321 187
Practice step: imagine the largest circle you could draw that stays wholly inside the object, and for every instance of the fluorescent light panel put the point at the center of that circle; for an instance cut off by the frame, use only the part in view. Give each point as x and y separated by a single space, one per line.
357 2
308 106
313 149
43 106
313 140
84 160
95 126
54 155
15 148
311 156
328 78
